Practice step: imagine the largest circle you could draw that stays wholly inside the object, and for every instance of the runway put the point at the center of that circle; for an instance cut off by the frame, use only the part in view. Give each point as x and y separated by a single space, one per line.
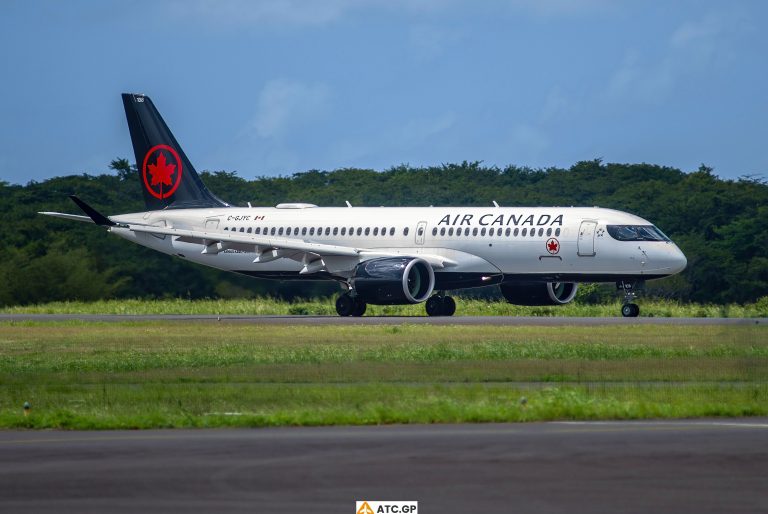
676 466
388 320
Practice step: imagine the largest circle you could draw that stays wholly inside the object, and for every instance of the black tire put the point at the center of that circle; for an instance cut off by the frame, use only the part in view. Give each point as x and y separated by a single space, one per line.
449 306
434 306
630 310
359 308
345 305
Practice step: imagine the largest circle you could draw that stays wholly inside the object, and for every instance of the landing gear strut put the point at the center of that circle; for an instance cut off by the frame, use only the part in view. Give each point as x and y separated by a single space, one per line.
441 305
347 305
630 309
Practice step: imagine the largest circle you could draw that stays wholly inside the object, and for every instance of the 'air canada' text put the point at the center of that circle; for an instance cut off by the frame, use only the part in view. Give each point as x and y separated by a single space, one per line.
503 220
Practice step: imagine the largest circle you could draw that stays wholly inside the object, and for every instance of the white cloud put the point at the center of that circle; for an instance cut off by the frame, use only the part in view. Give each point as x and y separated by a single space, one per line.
694 48
285 104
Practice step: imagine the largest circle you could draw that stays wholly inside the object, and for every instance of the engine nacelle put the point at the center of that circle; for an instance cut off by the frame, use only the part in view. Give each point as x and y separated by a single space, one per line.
539 293
393 280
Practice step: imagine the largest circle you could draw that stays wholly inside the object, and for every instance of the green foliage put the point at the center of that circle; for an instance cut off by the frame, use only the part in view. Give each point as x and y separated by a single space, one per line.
721 225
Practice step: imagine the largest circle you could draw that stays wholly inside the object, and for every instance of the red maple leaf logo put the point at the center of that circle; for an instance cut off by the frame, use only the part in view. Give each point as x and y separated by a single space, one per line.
161 171
553 246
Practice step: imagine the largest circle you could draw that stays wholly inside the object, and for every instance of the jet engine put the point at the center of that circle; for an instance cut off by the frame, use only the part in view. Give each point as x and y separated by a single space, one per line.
393 280
539 293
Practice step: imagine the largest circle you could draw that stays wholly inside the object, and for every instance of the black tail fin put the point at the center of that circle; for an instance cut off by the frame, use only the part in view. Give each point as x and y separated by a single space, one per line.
168 179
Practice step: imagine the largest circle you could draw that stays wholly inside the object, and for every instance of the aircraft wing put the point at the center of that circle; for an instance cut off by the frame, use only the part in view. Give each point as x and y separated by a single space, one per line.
312 255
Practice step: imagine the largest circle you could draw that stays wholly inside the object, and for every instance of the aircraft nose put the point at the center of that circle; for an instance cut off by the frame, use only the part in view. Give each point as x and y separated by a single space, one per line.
679 262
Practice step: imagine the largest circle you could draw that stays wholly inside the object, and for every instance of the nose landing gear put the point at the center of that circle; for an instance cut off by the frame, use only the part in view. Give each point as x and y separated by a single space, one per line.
630 309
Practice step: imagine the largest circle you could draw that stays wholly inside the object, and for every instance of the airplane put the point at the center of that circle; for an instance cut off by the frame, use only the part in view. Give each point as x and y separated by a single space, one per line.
383 255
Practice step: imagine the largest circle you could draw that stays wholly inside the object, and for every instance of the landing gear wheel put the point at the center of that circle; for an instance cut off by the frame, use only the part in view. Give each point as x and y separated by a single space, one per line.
440 306
345 305
449 306
359 308
434 306
630 310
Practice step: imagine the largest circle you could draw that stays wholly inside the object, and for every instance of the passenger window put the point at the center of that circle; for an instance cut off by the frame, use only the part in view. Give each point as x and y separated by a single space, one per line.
525 232
312 231
296 231
335 231
442 231
508 232
280 231
383 231
359 231
367 230
434 231
249 230
533 232
482 231
343 231
549 232
557 231
405 231
376 231
242 229
450 231
257 230
474 231
304 231
541 232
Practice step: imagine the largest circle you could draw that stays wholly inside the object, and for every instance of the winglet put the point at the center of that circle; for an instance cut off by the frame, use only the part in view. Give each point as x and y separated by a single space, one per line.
92 213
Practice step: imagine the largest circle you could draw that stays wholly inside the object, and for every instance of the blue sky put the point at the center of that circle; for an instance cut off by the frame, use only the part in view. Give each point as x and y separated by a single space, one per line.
275 87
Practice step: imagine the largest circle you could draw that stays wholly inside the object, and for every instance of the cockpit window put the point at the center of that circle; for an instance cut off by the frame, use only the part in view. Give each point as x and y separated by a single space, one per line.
636 233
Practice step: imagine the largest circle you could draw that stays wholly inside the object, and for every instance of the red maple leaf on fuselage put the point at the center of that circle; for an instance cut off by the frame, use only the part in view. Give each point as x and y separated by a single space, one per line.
552 246
161 171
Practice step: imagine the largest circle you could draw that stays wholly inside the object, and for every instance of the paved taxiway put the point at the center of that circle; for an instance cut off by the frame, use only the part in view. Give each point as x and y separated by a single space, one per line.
672 466
390 320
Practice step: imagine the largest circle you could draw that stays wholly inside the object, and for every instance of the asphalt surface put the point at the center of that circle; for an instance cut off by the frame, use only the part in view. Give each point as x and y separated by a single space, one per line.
390 320
676 466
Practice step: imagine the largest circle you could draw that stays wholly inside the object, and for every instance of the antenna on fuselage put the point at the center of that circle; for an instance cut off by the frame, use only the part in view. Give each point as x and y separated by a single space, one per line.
347 202
495 204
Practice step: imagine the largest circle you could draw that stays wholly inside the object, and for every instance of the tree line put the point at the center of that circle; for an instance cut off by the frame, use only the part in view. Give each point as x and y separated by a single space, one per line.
721 225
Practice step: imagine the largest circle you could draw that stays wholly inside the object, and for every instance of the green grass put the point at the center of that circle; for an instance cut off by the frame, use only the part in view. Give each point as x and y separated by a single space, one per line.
323 306
160 374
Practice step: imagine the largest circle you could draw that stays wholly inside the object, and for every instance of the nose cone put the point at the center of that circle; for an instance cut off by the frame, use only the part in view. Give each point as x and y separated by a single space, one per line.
679 262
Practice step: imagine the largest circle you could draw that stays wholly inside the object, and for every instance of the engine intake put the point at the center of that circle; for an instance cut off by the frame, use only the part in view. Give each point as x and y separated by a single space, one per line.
539 293
393 280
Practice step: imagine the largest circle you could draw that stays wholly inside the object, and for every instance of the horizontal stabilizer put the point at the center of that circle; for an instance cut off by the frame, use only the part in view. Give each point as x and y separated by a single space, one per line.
75 217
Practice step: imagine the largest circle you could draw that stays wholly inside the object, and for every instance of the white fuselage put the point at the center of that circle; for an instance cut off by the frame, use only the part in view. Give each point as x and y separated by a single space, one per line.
482 245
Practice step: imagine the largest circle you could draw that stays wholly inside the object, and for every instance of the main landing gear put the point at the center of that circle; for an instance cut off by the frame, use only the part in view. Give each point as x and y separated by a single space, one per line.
347 305
630 309
441 305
